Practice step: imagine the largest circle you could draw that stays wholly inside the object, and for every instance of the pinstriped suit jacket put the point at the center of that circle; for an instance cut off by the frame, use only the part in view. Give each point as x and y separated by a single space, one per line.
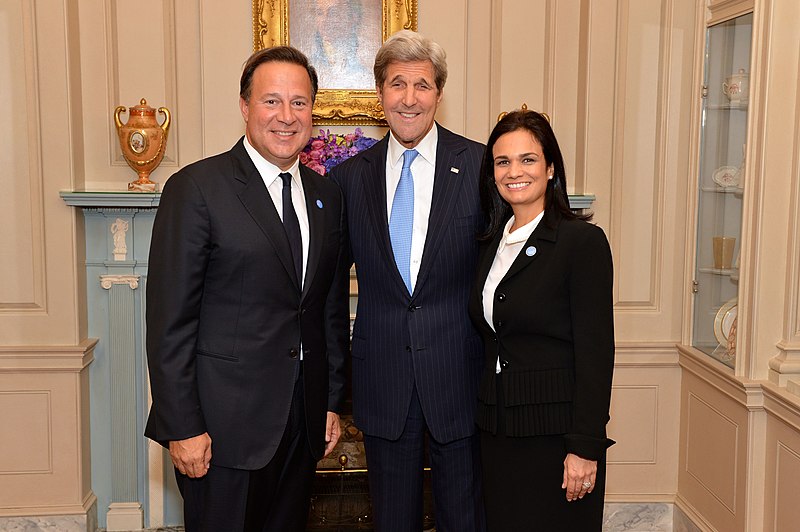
426 339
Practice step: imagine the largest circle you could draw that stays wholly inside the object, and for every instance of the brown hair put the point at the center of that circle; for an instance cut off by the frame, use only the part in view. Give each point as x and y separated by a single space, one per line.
276 54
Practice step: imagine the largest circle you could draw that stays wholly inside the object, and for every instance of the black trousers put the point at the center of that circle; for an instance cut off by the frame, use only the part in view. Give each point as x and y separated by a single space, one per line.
274 498
395 470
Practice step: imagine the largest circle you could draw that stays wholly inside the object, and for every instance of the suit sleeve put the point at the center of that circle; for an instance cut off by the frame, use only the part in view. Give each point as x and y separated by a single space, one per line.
179 254
591 303
337 317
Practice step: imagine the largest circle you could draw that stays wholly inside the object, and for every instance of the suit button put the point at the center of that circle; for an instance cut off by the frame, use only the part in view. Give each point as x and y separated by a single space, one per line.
501 297
494 339
408 348
293 352
499 323
414 308
504 364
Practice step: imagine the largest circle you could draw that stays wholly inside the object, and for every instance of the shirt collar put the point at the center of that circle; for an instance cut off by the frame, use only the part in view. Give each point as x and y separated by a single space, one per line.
426 147
268 171
521 234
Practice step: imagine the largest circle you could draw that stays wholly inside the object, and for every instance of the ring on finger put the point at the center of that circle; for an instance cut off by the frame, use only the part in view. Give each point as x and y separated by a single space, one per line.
587 485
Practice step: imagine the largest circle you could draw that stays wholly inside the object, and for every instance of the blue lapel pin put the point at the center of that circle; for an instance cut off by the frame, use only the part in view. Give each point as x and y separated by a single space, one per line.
319 204
530 251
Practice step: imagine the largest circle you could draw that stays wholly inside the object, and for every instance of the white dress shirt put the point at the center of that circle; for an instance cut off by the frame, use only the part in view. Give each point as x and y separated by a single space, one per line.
423 169
510 247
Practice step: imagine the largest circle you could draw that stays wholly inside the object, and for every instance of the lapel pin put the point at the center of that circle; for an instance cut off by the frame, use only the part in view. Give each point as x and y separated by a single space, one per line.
530 251
319 204
454 169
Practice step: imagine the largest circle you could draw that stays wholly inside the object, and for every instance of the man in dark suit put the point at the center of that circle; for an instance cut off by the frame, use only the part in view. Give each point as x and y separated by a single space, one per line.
247 314
413 214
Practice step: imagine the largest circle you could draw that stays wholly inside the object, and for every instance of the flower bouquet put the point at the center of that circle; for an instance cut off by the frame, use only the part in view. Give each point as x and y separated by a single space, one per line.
329 149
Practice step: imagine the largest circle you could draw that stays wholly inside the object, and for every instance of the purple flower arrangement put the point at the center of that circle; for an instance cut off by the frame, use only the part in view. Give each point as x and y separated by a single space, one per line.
328 149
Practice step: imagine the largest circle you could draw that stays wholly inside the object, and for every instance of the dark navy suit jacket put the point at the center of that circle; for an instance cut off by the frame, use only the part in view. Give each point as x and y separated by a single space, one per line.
426 339
226 315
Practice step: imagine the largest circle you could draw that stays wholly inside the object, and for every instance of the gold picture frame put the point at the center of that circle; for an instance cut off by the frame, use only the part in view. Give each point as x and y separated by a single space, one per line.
336 105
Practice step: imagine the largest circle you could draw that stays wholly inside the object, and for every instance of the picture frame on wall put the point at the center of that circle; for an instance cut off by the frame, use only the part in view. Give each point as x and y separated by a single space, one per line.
340 38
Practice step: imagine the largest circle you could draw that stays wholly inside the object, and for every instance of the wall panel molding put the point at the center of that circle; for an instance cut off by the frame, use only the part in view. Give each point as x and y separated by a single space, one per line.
478 119
792 328
645 400
637 217
142 64
787 471
782 464
30 450
38 358
22 252
44 396
710 432
637 408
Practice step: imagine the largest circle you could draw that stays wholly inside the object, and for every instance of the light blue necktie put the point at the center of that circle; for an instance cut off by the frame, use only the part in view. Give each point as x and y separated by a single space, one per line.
401 222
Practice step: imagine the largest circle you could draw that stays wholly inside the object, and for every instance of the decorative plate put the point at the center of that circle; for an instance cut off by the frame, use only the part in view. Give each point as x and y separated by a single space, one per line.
732 339
726 315
726 176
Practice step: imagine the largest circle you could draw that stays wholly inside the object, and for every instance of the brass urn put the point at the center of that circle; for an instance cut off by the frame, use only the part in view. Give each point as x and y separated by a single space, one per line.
142 141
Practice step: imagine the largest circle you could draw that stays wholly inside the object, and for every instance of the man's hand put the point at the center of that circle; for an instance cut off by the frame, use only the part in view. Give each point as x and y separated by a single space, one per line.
192 456
332 432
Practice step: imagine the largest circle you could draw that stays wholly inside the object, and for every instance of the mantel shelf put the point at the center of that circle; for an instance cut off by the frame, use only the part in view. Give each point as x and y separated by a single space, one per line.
107 198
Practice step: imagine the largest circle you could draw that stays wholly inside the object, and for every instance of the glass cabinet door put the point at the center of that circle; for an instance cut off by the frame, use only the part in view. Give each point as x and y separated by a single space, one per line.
721 180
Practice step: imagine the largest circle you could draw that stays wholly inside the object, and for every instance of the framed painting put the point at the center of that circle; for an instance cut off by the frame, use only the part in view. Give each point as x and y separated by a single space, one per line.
340 38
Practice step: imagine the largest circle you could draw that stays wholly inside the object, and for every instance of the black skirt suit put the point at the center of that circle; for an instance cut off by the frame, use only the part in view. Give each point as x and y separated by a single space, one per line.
554 336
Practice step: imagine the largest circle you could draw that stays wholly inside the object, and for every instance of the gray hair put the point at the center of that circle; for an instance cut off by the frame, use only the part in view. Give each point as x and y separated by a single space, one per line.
406 46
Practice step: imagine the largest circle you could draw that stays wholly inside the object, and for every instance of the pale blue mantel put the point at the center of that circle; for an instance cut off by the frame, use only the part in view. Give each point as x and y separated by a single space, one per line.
119 200
117 227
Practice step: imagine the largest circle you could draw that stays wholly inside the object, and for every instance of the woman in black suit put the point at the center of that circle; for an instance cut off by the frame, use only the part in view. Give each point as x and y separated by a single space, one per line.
543 304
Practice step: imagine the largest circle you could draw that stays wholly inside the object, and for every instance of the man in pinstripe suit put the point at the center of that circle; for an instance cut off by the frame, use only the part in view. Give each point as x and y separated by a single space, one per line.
413 213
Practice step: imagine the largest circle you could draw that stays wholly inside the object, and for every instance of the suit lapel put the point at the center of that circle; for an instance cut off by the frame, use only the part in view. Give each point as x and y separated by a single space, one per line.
534 248
256 200
316 226
446 187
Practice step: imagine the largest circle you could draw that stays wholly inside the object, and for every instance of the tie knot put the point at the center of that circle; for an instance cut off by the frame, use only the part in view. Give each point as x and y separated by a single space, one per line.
408 158
287 178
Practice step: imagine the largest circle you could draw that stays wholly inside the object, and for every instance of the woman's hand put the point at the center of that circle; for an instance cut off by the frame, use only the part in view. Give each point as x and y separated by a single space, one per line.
579 476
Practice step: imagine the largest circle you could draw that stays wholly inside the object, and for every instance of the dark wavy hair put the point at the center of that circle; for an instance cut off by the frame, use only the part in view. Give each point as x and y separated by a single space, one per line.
276 54
556 202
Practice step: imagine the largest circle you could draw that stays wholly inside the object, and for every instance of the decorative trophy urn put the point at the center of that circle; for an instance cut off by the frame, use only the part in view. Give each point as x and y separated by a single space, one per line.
142 141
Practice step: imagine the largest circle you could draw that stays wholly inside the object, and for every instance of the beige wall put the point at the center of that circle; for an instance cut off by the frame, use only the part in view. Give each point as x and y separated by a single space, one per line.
619 79
43 352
